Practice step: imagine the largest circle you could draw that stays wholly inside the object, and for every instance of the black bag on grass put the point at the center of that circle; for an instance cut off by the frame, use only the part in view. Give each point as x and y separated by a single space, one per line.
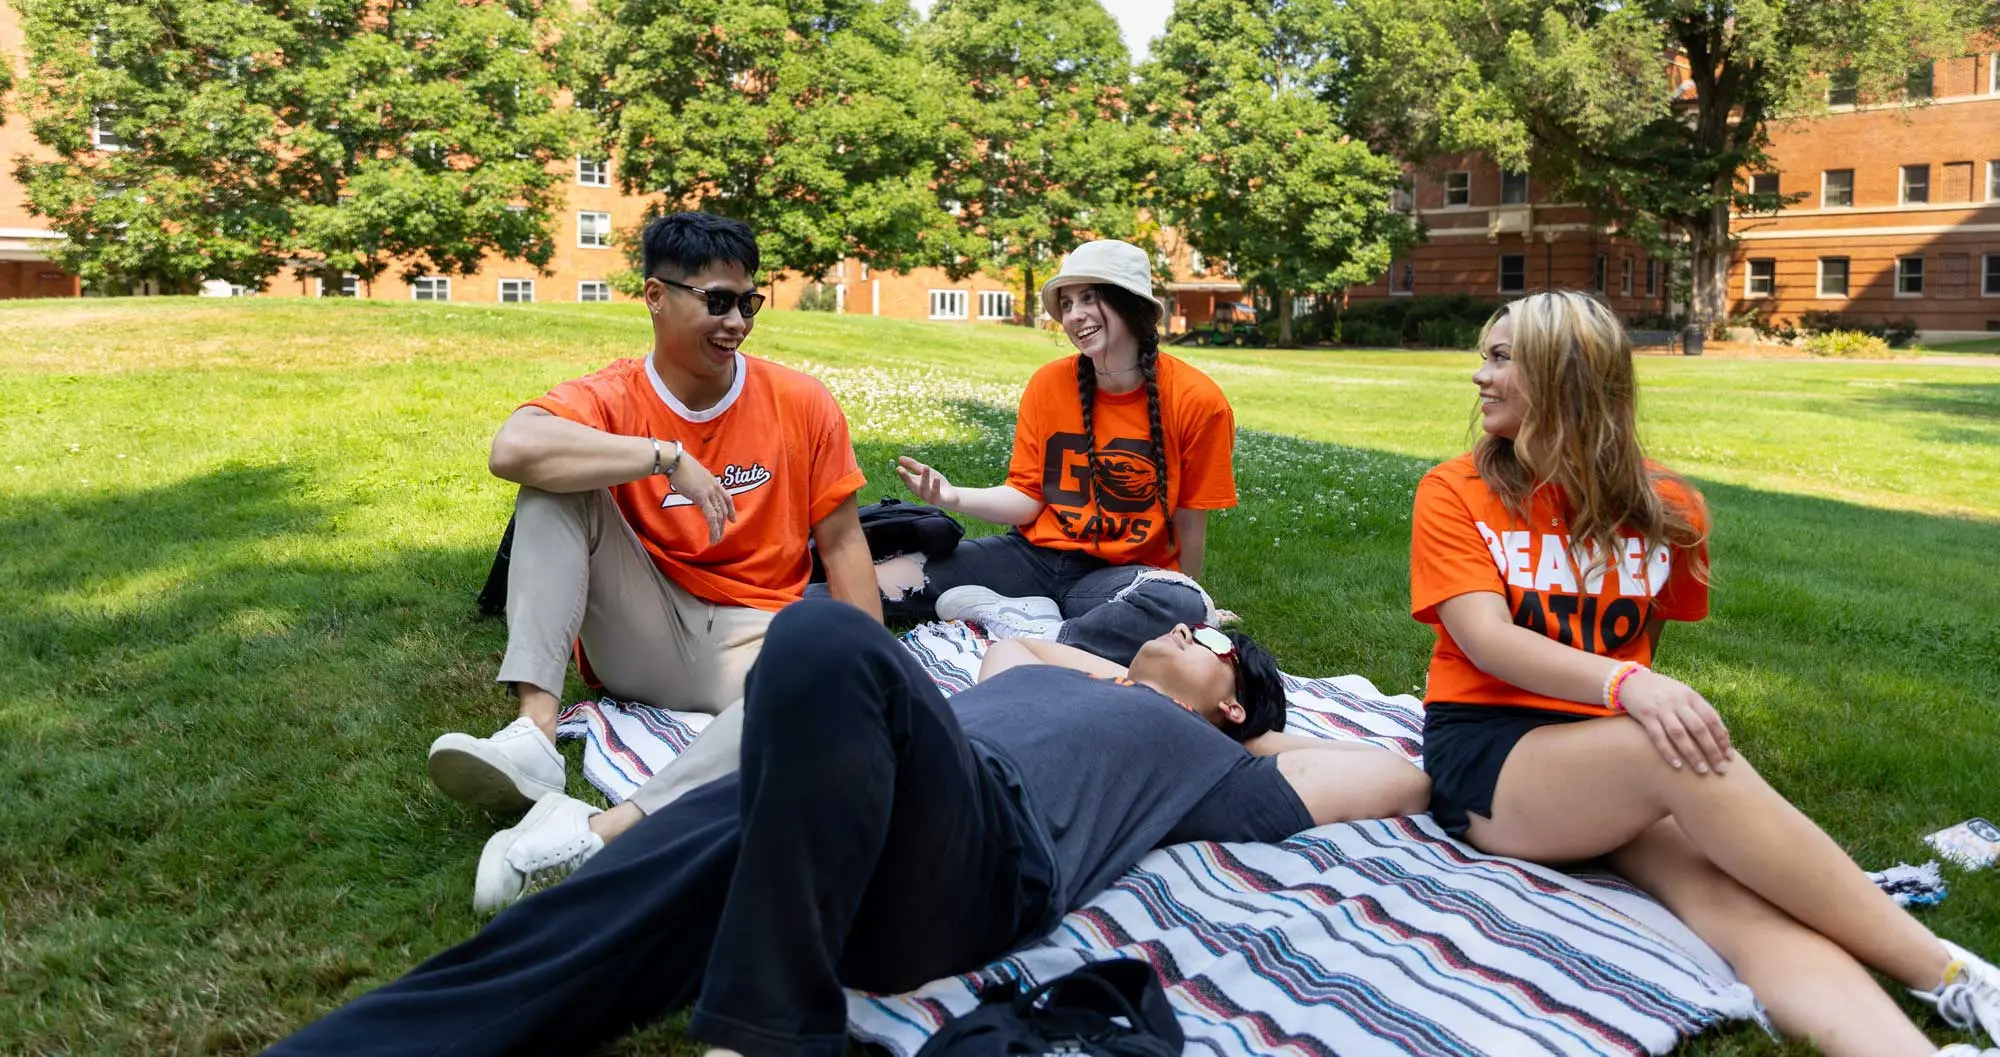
1106 1009
894 527
493 596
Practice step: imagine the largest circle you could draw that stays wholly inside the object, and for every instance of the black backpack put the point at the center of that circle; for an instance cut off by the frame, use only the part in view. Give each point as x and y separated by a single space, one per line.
1074 1014
894 527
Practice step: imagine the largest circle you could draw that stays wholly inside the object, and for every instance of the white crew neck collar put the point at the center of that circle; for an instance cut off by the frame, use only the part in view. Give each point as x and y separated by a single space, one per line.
674 403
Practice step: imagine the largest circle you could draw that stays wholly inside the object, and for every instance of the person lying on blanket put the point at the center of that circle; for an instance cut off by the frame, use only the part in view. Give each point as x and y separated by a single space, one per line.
664 510
1549 559
879 836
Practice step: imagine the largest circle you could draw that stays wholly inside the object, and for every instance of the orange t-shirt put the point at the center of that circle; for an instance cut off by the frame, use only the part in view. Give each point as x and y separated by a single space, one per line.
1115 513
777 442
1462 540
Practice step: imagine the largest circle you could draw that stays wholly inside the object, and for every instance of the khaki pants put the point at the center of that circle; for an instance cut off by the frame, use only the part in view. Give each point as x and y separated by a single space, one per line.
578 571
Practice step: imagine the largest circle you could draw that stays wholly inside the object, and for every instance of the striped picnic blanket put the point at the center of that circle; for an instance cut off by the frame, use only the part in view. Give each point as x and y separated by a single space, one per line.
1383 937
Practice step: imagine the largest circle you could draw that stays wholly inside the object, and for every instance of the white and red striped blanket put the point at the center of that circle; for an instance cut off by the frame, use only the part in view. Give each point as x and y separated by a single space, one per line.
1365 938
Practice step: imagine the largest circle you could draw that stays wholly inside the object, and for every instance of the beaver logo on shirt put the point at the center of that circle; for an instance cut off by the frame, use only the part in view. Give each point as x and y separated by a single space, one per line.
1123 487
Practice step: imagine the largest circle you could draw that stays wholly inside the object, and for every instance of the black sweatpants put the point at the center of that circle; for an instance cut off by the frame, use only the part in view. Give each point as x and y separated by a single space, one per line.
863 843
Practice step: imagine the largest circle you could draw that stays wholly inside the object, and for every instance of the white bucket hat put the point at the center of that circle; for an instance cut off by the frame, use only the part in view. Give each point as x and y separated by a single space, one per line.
1120 264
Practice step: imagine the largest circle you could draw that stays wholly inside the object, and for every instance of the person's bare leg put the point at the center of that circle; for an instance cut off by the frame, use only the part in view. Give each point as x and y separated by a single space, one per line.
1811 988
539 705
1573 791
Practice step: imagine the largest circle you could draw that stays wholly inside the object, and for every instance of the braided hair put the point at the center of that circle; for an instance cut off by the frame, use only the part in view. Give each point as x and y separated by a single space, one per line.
1141 316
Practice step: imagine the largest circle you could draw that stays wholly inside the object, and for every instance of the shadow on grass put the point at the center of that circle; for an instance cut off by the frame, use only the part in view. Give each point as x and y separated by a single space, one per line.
1975 400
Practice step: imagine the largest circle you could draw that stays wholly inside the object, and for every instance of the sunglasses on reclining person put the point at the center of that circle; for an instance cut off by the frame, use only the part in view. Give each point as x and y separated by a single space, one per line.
720 301
1213 640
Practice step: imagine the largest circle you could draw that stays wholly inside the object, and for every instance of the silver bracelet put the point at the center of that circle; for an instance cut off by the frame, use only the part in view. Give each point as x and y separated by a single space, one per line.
656 456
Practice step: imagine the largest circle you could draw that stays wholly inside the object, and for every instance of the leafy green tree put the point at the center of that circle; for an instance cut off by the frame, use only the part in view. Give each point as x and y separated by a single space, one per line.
1593 91
226 140
1044 150
1258 172
813 121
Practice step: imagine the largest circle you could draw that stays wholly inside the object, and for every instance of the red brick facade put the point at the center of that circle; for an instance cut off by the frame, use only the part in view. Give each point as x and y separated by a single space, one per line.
1935 261
24 269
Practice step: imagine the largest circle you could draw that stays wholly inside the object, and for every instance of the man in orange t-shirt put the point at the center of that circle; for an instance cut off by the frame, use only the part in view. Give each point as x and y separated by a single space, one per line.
664 513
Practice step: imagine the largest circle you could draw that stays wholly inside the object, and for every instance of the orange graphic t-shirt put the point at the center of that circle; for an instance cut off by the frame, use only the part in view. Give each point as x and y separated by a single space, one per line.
1462 540
1115 513
777 442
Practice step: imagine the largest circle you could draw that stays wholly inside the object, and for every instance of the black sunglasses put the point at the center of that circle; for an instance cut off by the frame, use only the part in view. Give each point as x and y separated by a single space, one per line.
720 301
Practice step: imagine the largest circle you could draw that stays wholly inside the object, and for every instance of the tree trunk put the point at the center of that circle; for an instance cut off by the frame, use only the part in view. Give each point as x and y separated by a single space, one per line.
1284 316
1708 272
1029 309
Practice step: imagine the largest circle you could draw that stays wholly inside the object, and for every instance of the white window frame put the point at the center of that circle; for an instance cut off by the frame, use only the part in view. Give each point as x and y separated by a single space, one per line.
1500 274
1527 190
588 289
1403 197
1750 291
1652 277
1776 183
1833 86
864 273
1903 184
520 286
1600 274
996 304
1993 179
1993 73
435 284
1466 190
350 286
1989 275
103 135
1624 277
948 304
600 177
1409 268
1825 180
1921 269
601 221
1846 278
1197 263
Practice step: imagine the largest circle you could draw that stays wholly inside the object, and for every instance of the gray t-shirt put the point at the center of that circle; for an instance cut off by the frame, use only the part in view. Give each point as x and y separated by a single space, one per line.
1111 771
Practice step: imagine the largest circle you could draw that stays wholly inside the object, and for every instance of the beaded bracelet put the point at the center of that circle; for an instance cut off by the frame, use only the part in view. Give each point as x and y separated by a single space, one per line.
1618 678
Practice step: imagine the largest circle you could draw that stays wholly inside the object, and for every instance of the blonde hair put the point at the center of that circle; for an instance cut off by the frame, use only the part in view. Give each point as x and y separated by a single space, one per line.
1573 367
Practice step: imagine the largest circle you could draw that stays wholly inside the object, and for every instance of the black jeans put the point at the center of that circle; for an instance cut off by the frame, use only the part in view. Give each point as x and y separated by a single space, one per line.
1084 585
863 843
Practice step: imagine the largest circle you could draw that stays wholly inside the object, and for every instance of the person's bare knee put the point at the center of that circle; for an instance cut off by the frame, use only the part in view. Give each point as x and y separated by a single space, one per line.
900 577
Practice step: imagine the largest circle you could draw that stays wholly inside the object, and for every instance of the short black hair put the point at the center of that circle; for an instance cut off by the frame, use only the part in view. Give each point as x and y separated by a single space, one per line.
1260 689
681 244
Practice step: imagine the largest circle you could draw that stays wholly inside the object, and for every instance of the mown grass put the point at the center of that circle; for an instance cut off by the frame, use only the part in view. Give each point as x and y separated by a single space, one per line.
240 543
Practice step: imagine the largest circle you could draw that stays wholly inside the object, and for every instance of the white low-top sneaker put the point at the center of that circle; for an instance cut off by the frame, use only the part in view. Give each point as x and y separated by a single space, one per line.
505 774
553 842
1965 1049
1026 617
1969 998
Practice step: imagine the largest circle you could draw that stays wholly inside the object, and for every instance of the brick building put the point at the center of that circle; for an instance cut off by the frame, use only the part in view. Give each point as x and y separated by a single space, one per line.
1900 215
24 270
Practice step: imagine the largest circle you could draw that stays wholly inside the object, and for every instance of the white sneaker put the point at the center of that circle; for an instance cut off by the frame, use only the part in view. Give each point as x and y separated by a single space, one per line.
506 773
1965 1049
553 842
1027 617
1969 998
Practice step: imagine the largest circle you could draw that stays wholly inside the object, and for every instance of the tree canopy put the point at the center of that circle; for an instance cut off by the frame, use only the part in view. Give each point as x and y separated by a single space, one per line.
1043 150
1259 173
1646 112
222 140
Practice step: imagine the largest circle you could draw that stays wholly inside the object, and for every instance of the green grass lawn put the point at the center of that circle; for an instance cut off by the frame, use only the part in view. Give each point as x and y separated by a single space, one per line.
1982 346
240 542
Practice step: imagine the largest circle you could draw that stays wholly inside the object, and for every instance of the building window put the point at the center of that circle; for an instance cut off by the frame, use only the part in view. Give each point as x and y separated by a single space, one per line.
349 287
593 291
1597 274
1402 278
1993 74
1513 188
1833 277
1836 189
1993 181
1764 183
1513 273
864 273
996 304
593 230
1458 188
104 134
431 288
593 172
1916 184
517 291
1196 262
1625 277
1991 286
1761 278
1843 88
1922 81
1909 277
1652 277
948 304
1401 198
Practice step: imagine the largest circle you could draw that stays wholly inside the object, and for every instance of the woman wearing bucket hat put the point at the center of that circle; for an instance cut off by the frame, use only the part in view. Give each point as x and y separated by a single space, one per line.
1120 452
